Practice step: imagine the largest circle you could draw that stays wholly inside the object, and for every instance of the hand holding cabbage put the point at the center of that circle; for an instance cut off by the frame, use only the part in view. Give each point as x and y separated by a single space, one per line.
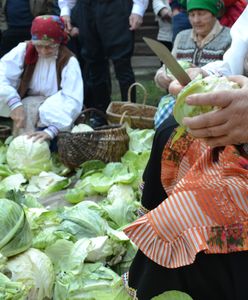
223 111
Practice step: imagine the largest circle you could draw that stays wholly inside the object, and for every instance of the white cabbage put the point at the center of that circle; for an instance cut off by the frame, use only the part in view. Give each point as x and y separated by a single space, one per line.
28 157
35 270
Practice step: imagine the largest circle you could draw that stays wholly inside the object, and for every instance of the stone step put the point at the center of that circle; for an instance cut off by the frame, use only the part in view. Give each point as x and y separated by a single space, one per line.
140 48
146 31
142 62
149 19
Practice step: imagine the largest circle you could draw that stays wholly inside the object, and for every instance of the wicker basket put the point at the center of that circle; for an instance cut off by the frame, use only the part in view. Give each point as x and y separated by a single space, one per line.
107 143
5 132
139 115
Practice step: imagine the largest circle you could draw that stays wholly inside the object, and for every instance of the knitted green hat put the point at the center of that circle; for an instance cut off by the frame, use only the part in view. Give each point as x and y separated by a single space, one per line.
214 6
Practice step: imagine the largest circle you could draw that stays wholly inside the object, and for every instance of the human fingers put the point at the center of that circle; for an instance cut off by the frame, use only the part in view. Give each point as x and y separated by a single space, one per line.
219 98
242 81
135 21
164 81
67 21
207 120
175 88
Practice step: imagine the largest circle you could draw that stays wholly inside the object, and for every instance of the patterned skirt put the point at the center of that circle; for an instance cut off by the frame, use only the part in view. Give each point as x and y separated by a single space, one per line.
206 211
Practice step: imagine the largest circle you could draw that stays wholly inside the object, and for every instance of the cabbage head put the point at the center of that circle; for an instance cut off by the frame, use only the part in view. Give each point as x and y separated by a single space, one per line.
34 269
28 157
15 233
198 86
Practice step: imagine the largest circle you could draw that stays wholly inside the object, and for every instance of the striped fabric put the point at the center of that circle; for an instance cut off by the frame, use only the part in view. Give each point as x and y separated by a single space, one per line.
207 209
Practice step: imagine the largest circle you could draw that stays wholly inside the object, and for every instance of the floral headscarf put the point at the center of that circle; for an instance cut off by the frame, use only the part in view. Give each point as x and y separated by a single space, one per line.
49 29
45 30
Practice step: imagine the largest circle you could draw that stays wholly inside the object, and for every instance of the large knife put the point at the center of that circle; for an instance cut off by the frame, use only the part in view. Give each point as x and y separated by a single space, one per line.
169 60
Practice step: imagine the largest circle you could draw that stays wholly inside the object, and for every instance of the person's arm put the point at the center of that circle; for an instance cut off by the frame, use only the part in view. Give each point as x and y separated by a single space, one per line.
138 11
162 9
11 68
59 111
65 11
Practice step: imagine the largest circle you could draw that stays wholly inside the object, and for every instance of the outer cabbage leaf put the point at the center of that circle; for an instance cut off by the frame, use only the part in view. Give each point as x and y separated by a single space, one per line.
12 182
140 140
11 219
46 183
93 282
10 290
83 221
121 205
28 157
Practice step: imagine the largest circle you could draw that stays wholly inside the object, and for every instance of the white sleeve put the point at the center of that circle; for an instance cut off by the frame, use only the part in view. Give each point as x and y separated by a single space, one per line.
66 6
233 59
11 68
139 7
62 108
157 5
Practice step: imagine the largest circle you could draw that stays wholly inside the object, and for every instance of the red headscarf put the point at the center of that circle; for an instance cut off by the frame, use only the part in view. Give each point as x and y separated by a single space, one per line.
47 29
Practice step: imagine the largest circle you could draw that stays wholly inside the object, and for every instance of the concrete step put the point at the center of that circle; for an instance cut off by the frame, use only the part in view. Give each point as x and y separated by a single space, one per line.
146 31
141 49
144 62
149 19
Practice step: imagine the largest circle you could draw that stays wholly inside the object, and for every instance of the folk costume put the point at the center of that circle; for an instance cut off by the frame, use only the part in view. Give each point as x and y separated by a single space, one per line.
192 236
50 88
205 212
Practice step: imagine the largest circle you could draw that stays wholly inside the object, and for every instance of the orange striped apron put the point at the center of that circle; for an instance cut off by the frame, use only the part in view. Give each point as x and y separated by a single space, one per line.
206 209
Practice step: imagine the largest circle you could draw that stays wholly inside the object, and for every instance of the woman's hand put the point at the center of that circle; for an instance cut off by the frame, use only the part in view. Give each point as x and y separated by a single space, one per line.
18 116
40 136
227 125
163 80
175 87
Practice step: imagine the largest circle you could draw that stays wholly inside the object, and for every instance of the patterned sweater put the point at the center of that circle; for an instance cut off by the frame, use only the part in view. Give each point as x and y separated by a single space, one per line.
188 50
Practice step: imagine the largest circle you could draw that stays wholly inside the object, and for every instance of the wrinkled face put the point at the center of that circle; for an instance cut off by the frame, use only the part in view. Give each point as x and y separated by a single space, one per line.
202 21
48 50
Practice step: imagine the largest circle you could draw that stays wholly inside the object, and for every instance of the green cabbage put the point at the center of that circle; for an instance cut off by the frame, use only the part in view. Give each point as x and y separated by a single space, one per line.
28 157
35 270
15 233
197 86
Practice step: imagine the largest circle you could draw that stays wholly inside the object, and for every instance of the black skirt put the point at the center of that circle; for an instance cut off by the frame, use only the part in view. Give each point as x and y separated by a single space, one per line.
210 277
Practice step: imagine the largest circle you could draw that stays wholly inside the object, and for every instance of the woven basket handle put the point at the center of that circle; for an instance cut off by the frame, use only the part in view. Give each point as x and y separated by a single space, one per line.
124 118
130 89
86 113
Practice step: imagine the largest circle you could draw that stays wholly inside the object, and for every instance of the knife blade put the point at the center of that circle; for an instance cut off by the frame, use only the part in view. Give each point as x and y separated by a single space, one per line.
163 53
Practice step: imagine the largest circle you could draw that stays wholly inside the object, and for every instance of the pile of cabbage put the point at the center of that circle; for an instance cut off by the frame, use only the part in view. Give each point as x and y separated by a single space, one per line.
75 249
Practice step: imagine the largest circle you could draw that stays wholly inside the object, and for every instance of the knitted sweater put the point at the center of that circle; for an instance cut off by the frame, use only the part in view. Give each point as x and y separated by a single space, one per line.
214 50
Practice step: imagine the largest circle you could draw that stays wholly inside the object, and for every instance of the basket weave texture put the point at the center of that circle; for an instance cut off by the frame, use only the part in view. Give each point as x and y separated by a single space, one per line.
137 115
106 143
5 132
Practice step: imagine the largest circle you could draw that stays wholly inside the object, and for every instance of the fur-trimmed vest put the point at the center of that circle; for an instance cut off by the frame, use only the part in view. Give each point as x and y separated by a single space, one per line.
212 51
64 55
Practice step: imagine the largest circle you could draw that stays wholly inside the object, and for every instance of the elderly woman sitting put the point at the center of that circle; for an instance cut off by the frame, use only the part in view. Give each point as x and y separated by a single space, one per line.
41 87
206 42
